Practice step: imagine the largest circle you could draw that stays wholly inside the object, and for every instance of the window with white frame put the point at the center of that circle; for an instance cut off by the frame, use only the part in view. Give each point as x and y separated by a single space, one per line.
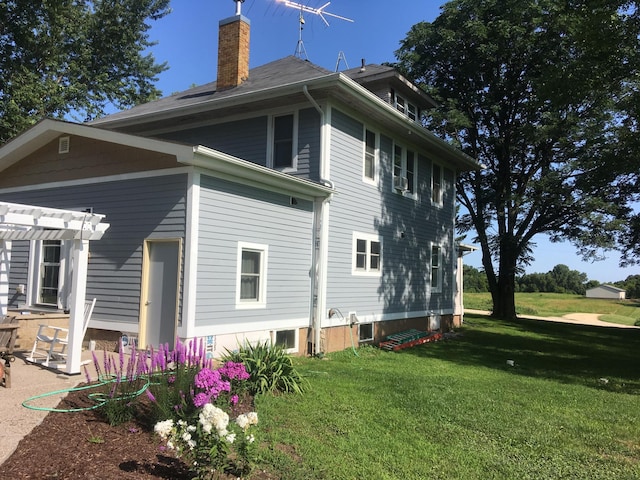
370 162
48 287
436 184
436 268
252 276
283 143
48 272
410 110
367 254
287 339
365 332
405 174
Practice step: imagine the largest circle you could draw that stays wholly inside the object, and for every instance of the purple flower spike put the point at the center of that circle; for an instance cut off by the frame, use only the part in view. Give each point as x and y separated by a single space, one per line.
150 395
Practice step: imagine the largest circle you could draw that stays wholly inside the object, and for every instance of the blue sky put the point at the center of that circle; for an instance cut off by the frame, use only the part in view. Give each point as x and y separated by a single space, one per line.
188 41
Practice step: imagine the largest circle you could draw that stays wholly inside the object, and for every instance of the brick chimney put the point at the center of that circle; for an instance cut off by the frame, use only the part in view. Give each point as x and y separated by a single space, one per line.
233 51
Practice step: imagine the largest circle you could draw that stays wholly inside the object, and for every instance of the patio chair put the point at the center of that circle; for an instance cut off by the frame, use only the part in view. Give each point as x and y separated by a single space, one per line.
51 342
8 335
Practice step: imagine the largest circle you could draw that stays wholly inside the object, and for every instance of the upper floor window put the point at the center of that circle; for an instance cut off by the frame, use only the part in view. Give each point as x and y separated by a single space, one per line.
283 142
370 163
436 184
367 254
410 110
405 174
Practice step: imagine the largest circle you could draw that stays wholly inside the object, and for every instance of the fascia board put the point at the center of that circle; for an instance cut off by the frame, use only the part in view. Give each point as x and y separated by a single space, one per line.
228 165
48 130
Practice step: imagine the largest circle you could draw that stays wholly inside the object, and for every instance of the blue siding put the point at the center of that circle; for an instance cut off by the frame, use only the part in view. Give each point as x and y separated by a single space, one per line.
407 228
232 213
18 271
246 139
136 209
308 145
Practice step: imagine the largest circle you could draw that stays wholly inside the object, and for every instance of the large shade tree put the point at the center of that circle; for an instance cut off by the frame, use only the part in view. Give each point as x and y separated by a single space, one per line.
539 92
61 57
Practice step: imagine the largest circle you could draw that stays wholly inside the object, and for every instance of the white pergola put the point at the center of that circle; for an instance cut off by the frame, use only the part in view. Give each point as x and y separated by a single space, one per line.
29 222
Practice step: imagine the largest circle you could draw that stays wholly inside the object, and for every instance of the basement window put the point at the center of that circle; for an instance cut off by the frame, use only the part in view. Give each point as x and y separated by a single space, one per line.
365 332
287 339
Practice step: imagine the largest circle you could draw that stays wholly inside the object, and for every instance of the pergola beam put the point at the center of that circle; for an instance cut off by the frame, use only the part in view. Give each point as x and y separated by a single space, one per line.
28 222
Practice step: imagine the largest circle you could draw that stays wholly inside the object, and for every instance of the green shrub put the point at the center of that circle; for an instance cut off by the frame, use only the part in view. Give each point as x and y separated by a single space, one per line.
269 366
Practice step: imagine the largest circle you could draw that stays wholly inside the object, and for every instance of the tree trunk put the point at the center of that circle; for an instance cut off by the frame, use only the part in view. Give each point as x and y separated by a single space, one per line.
504 300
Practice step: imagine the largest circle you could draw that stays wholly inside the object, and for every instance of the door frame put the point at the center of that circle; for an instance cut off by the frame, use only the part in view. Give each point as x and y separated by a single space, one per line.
146 283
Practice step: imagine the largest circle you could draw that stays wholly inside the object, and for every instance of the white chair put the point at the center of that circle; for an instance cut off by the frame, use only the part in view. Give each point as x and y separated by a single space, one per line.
51 342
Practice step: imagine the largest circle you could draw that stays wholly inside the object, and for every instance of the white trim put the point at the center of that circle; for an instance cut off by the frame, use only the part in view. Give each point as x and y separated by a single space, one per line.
440 276
387 317
296 338
192 235
368 339
440 201
376 156
234 327
404 170
262 279
114 326
368 237
271 140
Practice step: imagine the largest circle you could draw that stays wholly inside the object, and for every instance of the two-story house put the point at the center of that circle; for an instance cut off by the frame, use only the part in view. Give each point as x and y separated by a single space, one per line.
286 202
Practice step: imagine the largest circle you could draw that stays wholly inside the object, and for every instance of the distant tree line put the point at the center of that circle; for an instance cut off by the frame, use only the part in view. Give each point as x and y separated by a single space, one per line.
559 280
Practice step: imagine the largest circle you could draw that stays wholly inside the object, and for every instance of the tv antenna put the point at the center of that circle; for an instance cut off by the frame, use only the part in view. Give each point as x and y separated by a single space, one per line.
300 50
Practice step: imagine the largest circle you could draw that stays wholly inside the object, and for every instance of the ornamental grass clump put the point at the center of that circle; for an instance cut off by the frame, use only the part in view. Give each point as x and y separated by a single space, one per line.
269 366
121 383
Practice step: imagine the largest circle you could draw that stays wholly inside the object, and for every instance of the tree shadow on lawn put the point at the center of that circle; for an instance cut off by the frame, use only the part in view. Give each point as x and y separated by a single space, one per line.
599 357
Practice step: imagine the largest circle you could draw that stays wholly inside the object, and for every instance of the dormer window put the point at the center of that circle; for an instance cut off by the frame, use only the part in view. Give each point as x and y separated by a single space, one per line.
409 110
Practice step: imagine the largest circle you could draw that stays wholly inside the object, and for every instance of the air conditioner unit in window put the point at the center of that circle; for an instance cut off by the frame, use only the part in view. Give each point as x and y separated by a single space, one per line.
401 183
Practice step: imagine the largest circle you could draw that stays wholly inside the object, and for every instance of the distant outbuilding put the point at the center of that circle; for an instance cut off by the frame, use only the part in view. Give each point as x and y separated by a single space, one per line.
607 291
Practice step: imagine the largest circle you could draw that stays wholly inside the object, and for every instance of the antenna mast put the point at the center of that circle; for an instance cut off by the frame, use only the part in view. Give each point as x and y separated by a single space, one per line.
300 50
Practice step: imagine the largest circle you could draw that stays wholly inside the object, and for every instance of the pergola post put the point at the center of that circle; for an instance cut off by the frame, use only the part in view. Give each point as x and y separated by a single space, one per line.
76 315
5 262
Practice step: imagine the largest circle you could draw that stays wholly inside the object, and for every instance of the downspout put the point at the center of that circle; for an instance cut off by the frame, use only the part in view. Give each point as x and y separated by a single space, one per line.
320 235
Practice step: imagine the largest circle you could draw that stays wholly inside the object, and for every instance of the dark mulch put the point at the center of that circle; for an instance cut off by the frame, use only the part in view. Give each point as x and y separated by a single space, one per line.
81 445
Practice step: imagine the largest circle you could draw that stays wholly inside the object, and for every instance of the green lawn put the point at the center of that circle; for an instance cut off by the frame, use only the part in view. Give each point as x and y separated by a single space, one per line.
556 305
456 410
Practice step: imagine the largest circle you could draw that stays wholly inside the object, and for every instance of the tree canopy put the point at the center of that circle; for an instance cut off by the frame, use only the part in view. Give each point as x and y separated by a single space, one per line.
542 93
74 56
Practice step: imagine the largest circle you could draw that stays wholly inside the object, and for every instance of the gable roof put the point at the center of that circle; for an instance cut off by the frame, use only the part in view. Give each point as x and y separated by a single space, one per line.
212 160
609 288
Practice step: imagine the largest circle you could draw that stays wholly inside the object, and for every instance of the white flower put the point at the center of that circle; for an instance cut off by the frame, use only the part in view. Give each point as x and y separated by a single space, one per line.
192 444
163 428
251 439
253 418
242 421
186 436
231 437
207 427
191 428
